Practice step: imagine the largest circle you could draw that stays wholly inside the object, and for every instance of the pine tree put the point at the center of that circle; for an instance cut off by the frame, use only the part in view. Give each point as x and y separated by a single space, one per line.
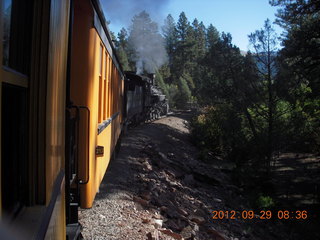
212 36
161 84
264 43
184 59
199 51
122 47
184 94
170 35
301 49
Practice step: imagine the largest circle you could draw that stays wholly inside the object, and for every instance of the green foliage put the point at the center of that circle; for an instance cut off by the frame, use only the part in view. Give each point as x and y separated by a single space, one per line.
170 36
260 103
159 82
219 131
265 202
183 96
123 58
173 92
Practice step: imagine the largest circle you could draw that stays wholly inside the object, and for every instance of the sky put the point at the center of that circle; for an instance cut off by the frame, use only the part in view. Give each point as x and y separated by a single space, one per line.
238 17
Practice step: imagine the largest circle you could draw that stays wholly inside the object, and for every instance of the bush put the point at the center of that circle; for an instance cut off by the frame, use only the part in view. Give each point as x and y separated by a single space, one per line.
265 202
218 131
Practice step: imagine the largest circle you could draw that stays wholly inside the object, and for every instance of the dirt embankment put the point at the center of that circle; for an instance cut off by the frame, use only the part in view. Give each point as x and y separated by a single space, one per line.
157 189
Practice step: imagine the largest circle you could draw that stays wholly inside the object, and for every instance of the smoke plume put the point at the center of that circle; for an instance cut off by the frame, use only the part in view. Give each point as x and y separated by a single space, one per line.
147 43
144 37
120 12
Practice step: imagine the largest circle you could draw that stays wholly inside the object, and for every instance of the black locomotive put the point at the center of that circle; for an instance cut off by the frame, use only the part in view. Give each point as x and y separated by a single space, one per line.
144 101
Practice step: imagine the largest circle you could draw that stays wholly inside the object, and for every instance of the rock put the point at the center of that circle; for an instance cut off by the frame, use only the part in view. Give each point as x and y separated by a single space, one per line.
176 224
187 232
172 213
157 215
171 234
214 233
183 212
188 179
199 212
145 220
171 155
197 219
182 223
217 200
146 196
196 228
153 236
149 236
147 166
163 209
172 224
141 201
157 223
152 186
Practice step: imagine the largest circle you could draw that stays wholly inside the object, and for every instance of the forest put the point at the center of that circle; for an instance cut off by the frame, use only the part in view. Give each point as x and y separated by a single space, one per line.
252 105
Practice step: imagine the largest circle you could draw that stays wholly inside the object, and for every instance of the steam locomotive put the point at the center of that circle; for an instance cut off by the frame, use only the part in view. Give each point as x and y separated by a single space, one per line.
65 102
144 100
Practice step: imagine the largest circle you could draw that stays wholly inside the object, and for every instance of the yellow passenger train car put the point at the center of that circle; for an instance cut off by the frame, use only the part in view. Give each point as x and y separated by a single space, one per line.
97 85
61 91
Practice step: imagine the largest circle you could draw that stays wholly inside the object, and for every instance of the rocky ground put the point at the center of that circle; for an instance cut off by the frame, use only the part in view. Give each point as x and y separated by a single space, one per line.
157 189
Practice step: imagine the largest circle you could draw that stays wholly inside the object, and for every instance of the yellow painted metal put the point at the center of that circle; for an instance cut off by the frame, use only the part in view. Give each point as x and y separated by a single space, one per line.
57 225
55 110
56 89
95 84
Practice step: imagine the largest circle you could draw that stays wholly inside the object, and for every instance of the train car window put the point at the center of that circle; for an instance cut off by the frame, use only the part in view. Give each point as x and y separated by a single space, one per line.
6 31
105 86
14 148
101 59
17 35
100 107
16 55
110 87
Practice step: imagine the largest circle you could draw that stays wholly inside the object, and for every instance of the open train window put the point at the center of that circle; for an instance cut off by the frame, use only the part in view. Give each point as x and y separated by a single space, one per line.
14 148
17 35
16 52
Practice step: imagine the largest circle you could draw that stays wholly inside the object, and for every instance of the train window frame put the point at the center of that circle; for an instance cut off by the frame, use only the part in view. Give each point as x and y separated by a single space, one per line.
111 89
100 86
10 71
13 77
105 87
17 44
13 81
33 67
1 77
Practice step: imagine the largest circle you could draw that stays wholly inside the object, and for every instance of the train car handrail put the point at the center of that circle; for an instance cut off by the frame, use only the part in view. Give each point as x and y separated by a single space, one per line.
88 149
88 139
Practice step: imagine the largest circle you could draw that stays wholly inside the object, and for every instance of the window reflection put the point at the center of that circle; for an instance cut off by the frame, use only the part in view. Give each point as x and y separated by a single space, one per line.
17 34
6 31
